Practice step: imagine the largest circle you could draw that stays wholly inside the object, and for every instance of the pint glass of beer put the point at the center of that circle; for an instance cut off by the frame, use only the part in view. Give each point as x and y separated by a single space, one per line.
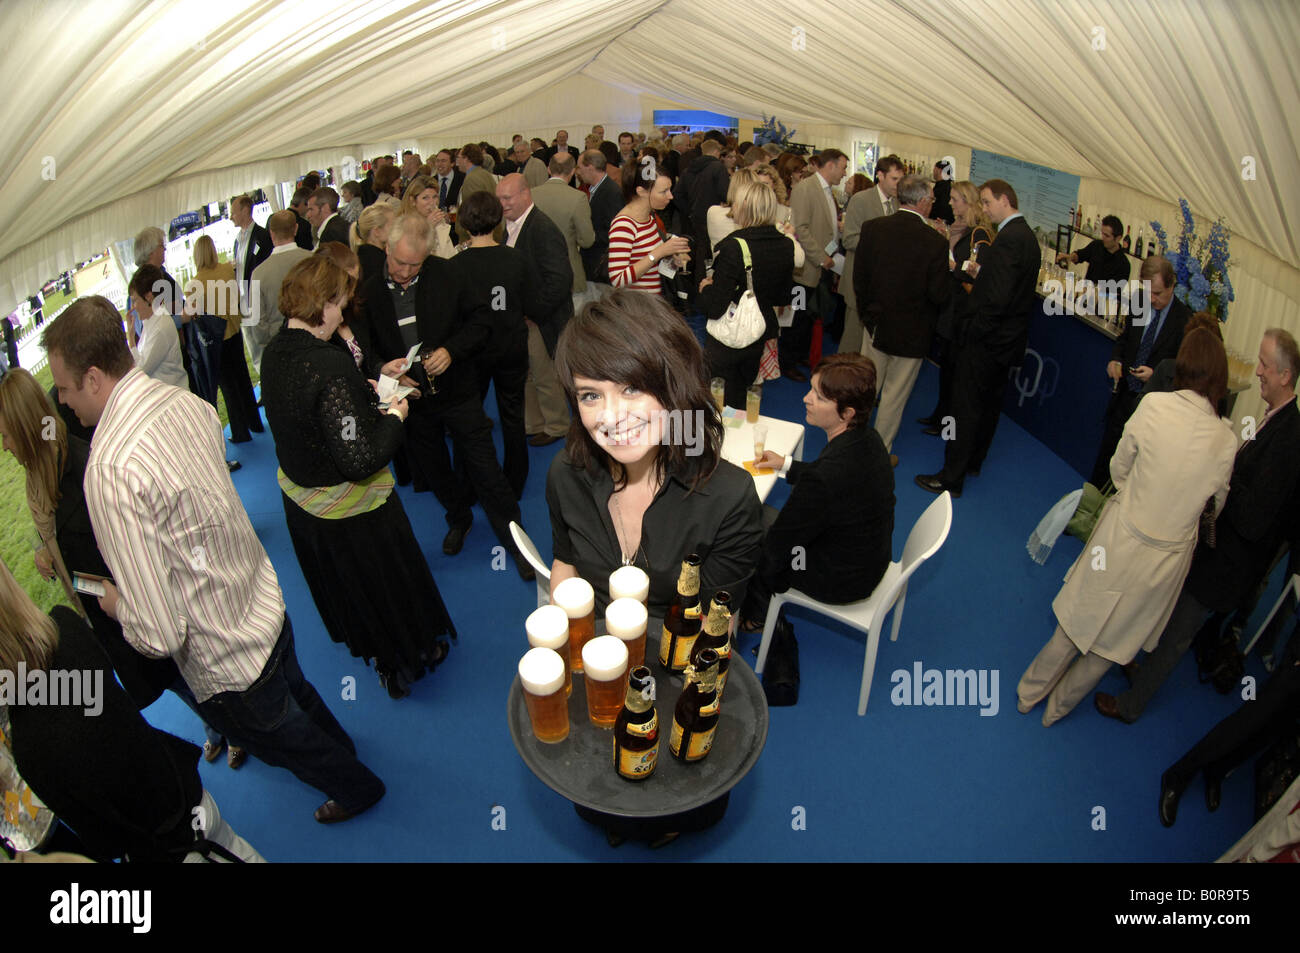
605 661
626 619
753 400
578 600
548 628
630 582
541 674
718 388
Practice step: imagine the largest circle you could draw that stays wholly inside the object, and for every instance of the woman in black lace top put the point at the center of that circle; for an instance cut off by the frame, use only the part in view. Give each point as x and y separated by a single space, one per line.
365 570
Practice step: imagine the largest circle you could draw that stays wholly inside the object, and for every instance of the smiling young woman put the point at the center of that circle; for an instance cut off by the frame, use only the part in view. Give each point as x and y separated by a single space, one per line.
641 480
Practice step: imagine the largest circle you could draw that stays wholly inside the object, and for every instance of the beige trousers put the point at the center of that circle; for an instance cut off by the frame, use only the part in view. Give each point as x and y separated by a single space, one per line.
895 378
1062 676
852 338
545 409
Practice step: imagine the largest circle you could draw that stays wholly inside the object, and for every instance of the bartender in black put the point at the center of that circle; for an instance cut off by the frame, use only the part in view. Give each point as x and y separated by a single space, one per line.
1105 259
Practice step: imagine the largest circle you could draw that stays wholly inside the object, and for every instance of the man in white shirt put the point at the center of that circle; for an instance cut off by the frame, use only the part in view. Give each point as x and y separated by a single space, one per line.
190 579
322 212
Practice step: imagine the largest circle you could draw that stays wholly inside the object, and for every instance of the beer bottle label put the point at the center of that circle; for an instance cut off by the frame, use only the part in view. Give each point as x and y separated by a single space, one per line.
700 743
665 647
675 738
722 683
649 730
682 652
637 764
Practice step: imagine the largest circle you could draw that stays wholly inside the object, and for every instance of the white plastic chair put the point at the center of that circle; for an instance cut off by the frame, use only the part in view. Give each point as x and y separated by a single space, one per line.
535 560
868 615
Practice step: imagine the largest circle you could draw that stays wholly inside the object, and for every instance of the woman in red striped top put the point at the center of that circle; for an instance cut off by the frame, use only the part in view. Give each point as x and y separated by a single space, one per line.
635 248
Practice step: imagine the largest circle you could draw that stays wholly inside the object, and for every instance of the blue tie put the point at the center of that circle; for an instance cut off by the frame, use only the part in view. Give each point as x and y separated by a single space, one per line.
1144 349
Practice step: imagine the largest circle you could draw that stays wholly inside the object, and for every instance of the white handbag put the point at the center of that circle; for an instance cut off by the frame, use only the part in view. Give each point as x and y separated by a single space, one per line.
743 324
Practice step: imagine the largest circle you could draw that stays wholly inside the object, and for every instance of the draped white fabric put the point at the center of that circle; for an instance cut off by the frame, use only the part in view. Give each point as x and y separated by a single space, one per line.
121 115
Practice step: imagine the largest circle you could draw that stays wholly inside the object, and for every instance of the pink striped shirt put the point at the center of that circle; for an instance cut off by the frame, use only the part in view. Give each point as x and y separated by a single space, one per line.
629 242
194 582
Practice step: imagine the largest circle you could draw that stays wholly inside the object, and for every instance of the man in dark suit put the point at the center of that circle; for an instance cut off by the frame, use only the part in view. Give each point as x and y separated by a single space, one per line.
1142 346
845 547
303 237
993 337
561 145
1262 512
412 299
901 284
606 197
252 247
447 180
323 213
548 308
702 186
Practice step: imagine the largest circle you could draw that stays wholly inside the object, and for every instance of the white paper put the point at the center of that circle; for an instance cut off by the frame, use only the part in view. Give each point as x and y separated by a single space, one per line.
412 354
838 264
667 267
831 247
390 390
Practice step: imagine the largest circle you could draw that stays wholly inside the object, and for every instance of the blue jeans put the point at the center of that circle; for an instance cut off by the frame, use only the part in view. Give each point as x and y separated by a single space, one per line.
182 691
281 720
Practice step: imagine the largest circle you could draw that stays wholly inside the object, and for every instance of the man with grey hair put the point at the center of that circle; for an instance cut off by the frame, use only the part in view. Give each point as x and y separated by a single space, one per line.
570 210
606 200
412 300
150 249
901 282
528 165
267 279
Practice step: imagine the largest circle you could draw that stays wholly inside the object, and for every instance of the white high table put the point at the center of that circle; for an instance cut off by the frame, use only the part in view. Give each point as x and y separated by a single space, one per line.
783 436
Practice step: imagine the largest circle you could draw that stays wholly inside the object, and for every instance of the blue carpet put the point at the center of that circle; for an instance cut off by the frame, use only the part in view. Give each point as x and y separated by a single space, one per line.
902 783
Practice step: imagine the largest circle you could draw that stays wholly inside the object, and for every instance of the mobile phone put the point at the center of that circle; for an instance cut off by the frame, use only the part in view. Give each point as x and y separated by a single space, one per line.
88 585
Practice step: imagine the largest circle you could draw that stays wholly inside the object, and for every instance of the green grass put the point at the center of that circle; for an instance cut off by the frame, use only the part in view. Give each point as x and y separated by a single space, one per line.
17 529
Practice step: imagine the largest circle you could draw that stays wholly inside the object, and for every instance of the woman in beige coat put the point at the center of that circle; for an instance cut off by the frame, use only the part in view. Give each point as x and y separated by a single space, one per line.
1174 455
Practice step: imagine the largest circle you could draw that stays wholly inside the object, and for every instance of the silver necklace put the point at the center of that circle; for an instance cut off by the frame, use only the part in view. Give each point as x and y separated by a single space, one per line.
622 533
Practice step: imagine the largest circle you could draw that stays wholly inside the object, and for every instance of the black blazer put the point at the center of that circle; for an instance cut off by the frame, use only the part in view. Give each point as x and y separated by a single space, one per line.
1168 341
900 277
453 188
371 259
1003 296
303 236
772 255
552 150
258 251
1261 511
548 301
438 324
606 202
841 511
335 230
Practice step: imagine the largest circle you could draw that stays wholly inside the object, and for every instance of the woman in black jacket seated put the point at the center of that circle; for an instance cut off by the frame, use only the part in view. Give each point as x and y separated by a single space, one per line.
772 255
125 788
841 506
366 572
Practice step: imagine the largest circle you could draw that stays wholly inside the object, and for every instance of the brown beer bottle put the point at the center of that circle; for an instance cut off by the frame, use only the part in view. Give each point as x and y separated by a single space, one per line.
682 621
696 716
716 636
636 732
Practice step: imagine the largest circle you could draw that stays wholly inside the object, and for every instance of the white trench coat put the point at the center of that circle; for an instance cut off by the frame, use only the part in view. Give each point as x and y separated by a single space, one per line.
1174 455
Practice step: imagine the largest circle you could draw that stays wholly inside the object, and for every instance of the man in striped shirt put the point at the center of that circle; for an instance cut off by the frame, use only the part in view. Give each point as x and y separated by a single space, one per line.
191 580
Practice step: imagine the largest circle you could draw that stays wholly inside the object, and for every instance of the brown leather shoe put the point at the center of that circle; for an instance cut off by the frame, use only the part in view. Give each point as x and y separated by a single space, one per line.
212 752
893 459
1108 706
332 812
235 757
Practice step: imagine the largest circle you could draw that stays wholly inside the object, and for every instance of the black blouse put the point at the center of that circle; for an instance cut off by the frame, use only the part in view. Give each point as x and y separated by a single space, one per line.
323 413
772 256
721 521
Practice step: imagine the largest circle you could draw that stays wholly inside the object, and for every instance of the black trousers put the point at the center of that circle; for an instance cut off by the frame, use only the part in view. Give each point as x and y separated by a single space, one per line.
1248 730
737 366
508 372
947 354
237 389
471 432
1120 408
792 346
978 386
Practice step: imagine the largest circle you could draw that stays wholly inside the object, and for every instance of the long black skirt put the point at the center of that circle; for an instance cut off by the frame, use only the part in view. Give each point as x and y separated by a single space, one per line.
372 586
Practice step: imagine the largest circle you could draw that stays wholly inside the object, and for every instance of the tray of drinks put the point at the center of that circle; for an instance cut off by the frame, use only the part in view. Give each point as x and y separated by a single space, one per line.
581 767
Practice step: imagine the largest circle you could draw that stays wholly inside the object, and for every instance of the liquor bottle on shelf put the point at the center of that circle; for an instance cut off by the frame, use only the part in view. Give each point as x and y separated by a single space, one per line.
1128 237
1139 244
695 717
682 620
1072 216
716 635
1151 247
1087 226
636 732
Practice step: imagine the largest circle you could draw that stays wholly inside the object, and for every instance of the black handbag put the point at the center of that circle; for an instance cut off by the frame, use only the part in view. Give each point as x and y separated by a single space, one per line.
677 289
781 674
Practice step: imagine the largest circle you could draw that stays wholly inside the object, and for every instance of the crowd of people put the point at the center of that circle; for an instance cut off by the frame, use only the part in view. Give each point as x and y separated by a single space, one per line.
557 278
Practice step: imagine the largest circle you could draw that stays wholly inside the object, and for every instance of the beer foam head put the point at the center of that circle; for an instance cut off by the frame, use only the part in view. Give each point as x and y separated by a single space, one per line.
547 627
604 658
629 582
625 618
541 671
575 596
